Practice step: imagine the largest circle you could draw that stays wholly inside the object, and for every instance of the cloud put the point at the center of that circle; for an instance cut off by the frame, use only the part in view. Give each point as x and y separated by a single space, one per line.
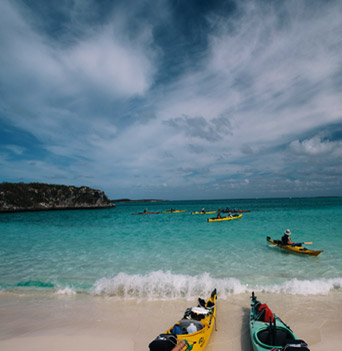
107 65
56 82
198 127
226 102
316 147
15 149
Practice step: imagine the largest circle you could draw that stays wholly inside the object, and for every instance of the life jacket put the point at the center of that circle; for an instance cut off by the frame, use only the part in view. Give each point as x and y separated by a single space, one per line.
268 313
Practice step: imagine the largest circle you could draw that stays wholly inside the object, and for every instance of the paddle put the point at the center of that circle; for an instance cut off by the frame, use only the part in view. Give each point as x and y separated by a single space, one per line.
305 243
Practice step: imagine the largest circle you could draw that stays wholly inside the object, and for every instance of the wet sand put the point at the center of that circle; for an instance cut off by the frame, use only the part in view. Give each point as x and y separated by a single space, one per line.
102 323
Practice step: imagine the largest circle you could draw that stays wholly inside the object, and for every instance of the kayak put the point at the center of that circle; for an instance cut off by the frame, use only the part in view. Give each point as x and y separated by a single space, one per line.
235 211
298 249
145 213
205 212
268 332
192 332
224 218
175 211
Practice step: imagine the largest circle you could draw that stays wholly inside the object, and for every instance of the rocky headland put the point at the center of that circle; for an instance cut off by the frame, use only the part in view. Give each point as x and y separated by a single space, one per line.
18 197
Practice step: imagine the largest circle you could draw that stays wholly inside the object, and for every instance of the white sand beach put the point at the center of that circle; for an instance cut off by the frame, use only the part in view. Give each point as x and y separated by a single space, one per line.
98 323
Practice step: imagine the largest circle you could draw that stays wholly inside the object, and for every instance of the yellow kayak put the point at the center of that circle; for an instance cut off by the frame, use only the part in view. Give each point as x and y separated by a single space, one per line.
201 212
224 218
297 249
192 332
174 211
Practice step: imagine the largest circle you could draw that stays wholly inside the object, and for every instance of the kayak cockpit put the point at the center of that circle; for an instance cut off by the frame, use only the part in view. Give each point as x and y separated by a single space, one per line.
269 332
281 339
274 337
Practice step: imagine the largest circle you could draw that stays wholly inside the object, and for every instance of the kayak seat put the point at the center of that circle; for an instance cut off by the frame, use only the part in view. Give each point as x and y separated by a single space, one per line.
163 342
296 345
186 324
210 304
281 339
201 302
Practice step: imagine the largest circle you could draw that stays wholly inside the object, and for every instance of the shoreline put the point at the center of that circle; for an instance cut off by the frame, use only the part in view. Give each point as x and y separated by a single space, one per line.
59 209
104 323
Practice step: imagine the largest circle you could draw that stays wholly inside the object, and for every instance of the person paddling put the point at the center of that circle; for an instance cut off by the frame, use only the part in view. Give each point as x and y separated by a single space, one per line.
285 239
219 213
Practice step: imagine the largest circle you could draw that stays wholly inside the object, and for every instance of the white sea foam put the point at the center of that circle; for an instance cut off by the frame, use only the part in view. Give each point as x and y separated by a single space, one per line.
66 291
165 285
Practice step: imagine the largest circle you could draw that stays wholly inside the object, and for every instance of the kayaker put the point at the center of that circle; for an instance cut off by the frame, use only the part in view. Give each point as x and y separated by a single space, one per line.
285 239
219 213
203 211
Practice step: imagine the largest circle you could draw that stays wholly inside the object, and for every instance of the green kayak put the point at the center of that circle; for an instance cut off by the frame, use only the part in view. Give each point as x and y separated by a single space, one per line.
269 332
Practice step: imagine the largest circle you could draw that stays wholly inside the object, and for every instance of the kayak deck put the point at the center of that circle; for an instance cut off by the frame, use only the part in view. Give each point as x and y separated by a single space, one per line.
296 249
269 332
194 329
175 211
224 218
201 212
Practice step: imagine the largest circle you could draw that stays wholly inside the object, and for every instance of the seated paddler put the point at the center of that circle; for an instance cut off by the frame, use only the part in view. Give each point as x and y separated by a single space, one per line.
285 239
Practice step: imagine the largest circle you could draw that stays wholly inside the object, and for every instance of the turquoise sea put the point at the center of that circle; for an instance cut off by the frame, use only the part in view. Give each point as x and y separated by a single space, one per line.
110 252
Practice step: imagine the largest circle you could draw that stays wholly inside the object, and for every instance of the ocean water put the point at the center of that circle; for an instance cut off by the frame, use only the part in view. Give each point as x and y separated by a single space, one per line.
110 252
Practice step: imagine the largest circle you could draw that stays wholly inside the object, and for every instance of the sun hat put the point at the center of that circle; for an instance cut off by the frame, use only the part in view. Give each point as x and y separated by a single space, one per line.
287 232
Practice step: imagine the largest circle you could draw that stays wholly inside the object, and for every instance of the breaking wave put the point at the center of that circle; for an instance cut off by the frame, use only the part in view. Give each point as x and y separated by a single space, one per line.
165 285
66 291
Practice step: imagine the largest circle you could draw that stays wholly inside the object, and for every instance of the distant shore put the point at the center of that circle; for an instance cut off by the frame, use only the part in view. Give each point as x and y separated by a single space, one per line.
23 197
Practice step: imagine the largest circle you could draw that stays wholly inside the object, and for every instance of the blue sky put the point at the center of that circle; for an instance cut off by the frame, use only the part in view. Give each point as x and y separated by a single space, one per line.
177 99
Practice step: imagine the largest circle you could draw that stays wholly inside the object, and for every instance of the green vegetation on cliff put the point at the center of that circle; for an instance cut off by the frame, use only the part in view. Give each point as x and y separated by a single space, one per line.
38 196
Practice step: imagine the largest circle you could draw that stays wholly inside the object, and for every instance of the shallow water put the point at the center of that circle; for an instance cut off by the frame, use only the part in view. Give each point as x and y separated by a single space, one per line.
111 252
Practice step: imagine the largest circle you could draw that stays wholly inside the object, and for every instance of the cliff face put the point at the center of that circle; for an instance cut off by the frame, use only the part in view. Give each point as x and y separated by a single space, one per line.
37 196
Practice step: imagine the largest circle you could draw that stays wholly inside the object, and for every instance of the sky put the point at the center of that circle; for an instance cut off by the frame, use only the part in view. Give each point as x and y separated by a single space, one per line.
173 99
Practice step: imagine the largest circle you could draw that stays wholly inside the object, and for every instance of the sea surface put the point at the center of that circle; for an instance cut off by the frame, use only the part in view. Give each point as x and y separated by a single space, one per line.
110 252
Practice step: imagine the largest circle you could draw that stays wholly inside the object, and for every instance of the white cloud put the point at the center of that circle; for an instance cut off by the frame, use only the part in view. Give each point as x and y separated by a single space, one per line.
115 68
265 80
316 147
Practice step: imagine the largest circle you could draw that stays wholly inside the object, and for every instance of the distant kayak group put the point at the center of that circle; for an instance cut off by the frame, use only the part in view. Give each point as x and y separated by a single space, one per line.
219 218
267 331
203 211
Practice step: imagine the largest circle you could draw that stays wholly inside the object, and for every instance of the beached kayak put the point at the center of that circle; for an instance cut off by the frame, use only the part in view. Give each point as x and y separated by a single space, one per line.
297 249
174 211
192 332
145 213
201 212
269 332
224 218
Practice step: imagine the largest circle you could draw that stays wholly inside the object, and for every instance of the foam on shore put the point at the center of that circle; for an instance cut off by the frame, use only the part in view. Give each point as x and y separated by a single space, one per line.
165 285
